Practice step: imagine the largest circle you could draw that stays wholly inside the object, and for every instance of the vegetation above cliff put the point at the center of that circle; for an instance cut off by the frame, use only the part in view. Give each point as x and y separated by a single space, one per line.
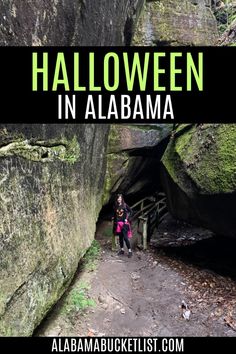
225 13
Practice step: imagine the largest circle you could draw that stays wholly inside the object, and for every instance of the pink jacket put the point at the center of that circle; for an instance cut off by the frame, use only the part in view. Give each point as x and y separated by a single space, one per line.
120 225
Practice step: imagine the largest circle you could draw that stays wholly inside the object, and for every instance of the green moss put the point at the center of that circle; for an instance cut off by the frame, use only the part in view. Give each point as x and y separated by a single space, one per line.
184 143
204 156
72 152
89 261
169 160
114 138
5 330
217 169
177 145
78 300
166 22
38 295
116 166
43 151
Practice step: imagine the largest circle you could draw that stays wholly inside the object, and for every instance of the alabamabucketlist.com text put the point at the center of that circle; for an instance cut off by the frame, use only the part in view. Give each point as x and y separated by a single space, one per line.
123 345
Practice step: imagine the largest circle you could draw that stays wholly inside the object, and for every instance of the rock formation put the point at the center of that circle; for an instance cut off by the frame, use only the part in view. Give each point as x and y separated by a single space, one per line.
51 184
132 160
67 22
199 176
54 179
176 22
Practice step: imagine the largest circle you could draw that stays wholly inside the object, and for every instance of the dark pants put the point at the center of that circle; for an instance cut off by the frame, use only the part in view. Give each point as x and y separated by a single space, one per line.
124 236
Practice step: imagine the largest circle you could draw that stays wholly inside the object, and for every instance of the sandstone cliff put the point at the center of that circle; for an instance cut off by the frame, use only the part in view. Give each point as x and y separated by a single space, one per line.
51 184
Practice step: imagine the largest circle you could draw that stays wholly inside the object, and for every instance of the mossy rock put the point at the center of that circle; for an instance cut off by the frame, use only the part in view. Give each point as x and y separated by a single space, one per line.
52 179
176 22
205 156
128 137
199 175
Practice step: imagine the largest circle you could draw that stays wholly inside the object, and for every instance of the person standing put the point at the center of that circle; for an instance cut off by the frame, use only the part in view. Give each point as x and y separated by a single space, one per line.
121 226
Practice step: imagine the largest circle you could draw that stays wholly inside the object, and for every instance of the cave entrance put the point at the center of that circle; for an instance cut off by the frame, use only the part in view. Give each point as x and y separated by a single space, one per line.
177 239
143 192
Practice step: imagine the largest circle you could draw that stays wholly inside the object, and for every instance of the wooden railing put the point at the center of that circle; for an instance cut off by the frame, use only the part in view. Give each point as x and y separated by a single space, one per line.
148 212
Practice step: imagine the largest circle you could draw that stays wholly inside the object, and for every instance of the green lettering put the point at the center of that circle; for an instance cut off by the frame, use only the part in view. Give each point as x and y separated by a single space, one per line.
60 67
136 69
115 85
157 71
77 86
36 70
174 71
198 74
92 86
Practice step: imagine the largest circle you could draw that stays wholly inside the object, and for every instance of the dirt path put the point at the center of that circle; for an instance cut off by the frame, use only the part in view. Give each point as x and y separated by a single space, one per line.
142 296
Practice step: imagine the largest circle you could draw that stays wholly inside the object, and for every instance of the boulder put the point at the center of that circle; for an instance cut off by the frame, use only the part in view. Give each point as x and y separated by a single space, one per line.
176 23
199 176
132 159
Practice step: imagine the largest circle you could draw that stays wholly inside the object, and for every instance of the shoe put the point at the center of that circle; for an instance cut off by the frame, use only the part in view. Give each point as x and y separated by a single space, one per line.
130 254
121 252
